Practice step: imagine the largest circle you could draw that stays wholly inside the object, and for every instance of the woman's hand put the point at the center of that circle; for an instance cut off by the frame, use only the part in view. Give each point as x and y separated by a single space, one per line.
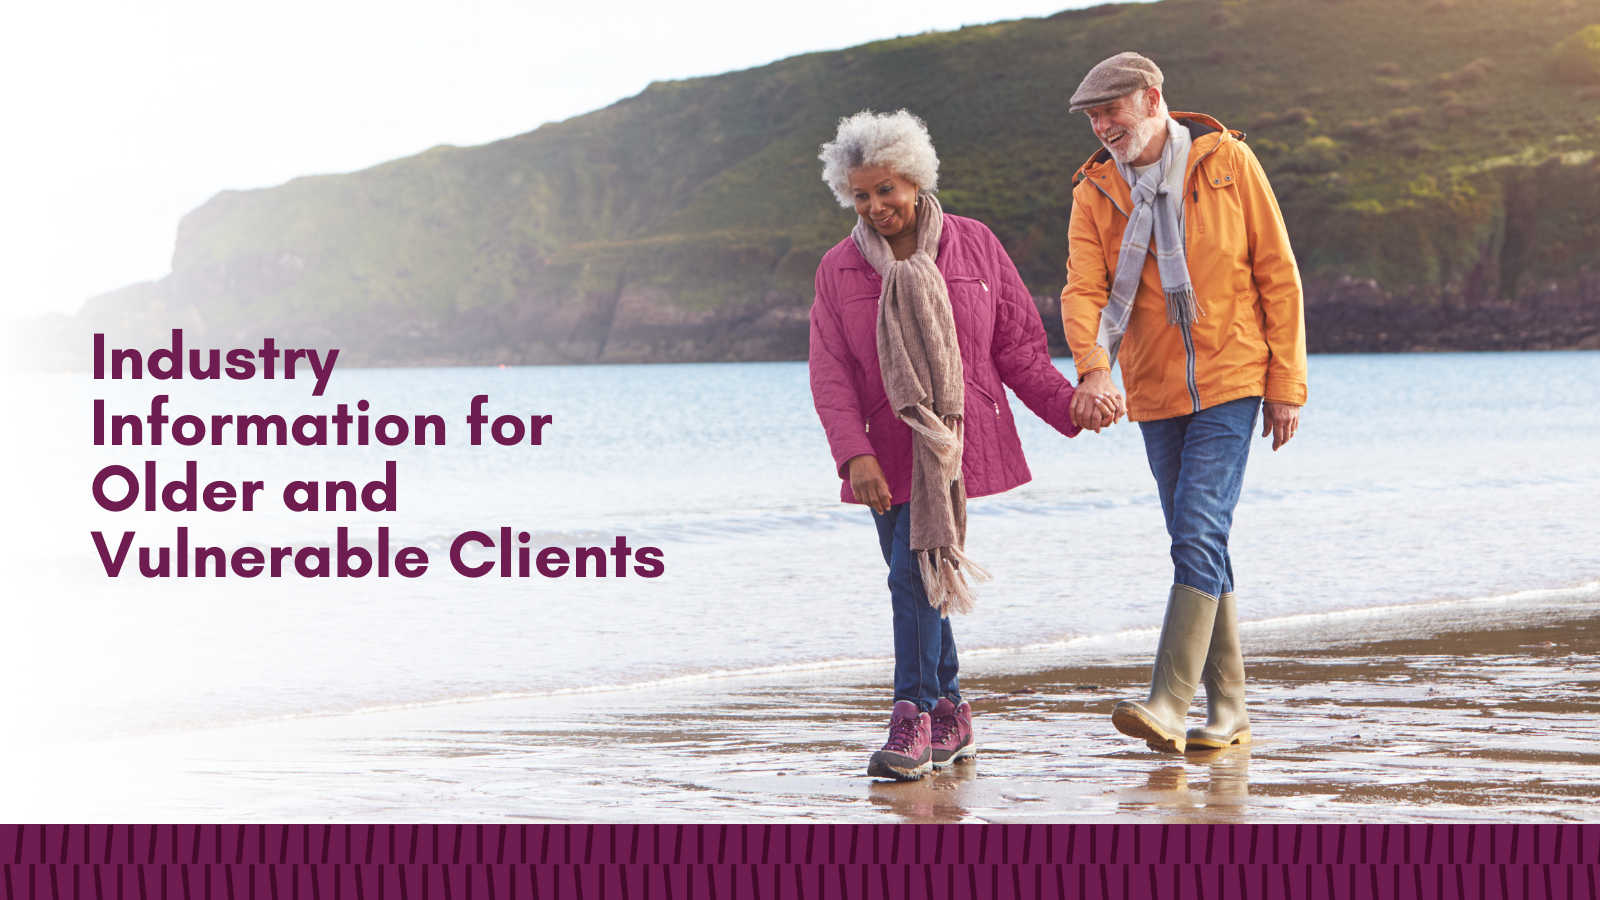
1097 402
868 484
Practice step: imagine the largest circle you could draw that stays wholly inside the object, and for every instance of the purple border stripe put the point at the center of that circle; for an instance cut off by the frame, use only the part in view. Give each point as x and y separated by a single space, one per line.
782 881
797 844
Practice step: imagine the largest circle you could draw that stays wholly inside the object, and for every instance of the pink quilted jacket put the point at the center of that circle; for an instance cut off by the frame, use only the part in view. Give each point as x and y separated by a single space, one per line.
1002 345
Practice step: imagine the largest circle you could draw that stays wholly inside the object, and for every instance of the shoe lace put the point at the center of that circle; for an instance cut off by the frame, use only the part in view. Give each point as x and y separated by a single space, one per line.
902 734
944 727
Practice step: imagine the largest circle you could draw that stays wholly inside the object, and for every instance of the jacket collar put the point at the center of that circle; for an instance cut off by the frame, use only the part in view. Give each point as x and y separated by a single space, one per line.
1205 132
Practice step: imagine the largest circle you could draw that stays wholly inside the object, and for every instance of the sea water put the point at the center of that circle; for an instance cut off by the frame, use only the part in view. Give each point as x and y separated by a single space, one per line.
1414 479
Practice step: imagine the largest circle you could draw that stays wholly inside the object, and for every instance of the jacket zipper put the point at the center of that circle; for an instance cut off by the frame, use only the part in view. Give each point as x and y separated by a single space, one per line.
1188 349
1200 225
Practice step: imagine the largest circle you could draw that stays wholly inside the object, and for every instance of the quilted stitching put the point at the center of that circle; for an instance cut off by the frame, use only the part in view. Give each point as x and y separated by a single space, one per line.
1002 345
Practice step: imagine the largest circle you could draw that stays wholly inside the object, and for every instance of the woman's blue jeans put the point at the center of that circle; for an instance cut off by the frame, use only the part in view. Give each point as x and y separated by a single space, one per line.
1198 461
925 663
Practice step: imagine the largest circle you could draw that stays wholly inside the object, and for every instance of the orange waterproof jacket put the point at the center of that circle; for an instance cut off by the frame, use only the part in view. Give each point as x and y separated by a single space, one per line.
1250 339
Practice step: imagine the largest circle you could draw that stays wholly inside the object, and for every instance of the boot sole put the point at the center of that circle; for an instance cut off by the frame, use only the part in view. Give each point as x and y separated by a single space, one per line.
1135 723
967 752
1201 743
882 768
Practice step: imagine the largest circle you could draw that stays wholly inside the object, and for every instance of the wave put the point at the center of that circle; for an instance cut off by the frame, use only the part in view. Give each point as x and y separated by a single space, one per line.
1139 638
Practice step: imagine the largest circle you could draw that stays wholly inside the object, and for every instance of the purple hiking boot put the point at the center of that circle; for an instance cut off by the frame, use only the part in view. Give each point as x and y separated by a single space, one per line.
907 755
952 733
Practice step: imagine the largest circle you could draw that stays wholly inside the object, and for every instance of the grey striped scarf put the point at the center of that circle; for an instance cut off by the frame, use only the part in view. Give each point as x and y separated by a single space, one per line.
1157 212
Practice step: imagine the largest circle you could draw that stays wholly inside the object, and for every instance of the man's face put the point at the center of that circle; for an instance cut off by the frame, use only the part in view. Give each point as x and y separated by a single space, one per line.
1125 125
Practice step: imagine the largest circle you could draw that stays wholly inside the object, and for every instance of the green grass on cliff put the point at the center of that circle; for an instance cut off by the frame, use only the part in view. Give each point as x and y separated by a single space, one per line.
1411 142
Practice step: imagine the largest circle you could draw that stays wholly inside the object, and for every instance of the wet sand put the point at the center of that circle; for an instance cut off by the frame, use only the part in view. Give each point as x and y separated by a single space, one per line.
1467 711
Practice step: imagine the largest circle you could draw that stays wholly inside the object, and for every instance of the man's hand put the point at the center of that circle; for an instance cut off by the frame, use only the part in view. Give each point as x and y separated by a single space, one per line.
1281 420
868 484
1097 402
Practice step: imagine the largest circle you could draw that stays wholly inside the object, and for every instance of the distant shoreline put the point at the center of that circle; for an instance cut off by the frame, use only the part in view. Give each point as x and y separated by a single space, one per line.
1346 316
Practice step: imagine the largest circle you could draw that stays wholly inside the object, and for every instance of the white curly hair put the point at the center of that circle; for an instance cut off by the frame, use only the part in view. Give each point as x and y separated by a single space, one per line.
897 140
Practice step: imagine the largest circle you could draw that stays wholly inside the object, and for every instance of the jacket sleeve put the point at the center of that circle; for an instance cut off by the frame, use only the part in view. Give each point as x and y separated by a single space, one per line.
1087 292
1277 281
1021 352
833 387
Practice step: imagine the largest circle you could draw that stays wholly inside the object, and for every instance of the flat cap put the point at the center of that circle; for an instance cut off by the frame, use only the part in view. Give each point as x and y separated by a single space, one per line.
1116 77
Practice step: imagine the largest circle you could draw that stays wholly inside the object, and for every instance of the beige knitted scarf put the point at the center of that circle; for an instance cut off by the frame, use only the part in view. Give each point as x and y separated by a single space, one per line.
921 362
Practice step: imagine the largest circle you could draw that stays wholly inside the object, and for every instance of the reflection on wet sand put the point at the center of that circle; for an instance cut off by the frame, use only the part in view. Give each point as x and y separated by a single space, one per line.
1166 787
946 797
1488 716
1208 784
1229 784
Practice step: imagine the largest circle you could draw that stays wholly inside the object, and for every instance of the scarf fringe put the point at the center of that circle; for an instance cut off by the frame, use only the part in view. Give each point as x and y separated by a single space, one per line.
945 571
943 435
945 432
1183 308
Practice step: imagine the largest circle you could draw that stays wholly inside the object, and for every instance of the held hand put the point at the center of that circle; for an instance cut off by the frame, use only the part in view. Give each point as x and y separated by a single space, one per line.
1097 402
1281 420
868 484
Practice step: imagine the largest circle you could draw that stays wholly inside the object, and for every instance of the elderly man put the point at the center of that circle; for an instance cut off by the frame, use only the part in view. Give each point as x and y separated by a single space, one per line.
1179 268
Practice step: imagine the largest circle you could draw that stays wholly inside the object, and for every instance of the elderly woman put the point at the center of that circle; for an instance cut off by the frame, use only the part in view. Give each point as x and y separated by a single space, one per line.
919 324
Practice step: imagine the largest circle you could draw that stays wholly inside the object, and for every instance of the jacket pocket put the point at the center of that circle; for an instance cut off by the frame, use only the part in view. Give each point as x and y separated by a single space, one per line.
1217 207
881 412
985 395
978 280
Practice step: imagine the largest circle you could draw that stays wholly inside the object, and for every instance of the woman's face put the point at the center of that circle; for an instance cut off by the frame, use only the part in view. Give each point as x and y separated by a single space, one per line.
887 201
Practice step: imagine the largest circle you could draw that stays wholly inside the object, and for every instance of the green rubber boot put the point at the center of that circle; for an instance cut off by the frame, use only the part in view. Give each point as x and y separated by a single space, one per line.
1180 656
1227 722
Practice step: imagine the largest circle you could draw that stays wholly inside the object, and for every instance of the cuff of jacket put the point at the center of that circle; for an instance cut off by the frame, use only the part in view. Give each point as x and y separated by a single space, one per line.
1096 358
1286 390
843 455
1072 430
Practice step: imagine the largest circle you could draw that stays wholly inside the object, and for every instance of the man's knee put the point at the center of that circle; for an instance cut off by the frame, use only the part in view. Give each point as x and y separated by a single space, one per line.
1207 551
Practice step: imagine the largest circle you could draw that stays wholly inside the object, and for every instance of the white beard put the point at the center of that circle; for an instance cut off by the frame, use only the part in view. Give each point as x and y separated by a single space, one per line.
1137 139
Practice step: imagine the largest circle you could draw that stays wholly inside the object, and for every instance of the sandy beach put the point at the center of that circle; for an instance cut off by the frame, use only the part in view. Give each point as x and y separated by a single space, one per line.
1463 711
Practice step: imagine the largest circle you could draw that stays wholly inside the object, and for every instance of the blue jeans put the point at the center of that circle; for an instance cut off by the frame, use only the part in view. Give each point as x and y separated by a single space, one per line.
1198 461
925 663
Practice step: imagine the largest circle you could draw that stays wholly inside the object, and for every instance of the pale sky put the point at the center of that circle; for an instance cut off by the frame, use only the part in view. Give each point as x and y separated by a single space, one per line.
121 117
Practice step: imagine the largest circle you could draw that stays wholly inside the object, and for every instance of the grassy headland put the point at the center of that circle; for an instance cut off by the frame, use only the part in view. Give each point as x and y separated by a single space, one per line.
1436 165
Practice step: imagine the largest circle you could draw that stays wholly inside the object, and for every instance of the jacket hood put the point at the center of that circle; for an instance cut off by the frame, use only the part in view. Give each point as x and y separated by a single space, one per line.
1199 125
